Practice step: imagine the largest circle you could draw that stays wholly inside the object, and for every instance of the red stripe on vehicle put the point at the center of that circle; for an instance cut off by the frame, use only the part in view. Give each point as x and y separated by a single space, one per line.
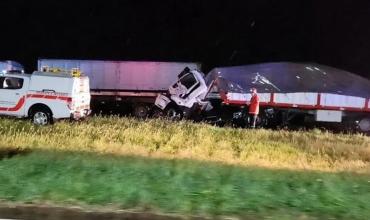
317 106
22 100
16 107
307 107
63 98
35 96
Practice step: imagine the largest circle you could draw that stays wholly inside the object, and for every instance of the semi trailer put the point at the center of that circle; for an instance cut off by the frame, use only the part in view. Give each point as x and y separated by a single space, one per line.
123 86
290 94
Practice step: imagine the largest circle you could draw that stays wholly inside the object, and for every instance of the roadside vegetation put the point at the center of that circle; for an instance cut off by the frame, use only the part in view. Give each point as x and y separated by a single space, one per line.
281 149
186 168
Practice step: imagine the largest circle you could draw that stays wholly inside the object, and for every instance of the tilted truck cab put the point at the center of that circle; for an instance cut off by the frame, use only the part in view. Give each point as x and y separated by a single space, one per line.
185 96
45 96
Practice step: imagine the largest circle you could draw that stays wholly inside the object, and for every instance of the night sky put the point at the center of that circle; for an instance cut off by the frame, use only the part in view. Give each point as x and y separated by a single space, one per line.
335 33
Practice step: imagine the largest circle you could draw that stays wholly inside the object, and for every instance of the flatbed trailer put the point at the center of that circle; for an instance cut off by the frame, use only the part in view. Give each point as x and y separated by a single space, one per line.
298 93
316 107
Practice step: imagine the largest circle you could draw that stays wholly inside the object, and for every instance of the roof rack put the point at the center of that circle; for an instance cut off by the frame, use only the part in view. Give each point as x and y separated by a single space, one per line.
75 72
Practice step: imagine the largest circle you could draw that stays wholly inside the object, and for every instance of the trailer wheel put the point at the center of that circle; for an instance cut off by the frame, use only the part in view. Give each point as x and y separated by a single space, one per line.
157 113
364 125
141 111
260 122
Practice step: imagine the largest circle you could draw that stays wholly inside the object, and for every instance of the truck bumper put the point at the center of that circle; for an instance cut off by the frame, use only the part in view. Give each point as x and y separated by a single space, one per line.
76 115
162 101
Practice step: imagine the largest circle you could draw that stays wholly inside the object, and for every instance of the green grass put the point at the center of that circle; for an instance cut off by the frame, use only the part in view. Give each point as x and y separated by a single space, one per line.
186 168
312 150
182 186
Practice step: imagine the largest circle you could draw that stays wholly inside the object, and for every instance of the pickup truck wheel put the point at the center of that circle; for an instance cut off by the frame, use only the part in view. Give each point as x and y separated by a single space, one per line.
41 117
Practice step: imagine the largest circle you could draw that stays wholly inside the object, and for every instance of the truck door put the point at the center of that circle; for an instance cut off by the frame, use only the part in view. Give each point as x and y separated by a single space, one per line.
12 95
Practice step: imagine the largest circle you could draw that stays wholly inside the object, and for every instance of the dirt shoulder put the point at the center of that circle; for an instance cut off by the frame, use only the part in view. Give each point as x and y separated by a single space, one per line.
49 212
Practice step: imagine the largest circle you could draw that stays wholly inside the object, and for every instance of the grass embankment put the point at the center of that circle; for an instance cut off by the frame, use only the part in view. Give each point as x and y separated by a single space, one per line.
313 150
62 166
182 186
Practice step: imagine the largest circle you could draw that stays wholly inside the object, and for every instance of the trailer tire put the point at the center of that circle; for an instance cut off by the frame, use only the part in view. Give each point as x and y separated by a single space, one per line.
364 125
41 115
157 113
141 111
174 114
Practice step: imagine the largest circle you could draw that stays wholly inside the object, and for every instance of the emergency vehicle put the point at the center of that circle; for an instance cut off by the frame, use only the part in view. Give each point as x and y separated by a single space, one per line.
45 96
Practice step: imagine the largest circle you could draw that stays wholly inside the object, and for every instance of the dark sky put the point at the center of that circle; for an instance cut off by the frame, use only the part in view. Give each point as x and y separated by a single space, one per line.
335 33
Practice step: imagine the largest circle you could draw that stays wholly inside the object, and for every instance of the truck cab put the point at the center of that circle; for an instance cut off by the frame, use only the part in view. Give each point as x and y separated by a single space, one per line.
44 96
185 95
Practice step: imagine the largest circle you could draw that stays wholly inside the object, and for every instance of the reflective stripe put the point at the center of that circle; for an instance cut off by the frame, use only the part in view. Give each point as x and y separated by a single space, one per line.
16 107
41 96
22 100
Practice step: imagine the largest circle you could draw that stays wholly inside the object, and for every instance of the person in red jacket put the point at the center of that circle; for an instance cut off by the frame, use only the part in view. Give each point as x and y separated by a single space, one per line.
254 108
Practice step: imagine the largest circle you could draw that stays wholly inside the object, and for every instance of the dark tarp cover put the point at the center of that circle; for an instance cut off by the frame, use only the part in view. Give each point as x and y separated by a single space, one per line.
288 77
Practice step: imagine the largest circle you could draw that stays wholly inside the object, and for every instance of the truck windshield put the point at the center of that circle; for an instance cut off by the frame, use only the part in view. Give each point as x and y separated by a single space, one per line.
188 80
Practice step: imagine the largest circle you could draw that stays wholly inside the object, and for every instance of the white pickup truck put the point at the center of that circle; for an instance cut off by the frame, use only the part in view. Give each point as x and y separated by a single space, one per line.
45 96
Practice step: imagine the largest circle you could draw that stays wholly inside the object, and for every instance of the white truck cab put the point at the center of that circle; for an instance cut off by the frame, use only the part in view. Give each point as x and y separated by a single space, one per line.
189 90
45 96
